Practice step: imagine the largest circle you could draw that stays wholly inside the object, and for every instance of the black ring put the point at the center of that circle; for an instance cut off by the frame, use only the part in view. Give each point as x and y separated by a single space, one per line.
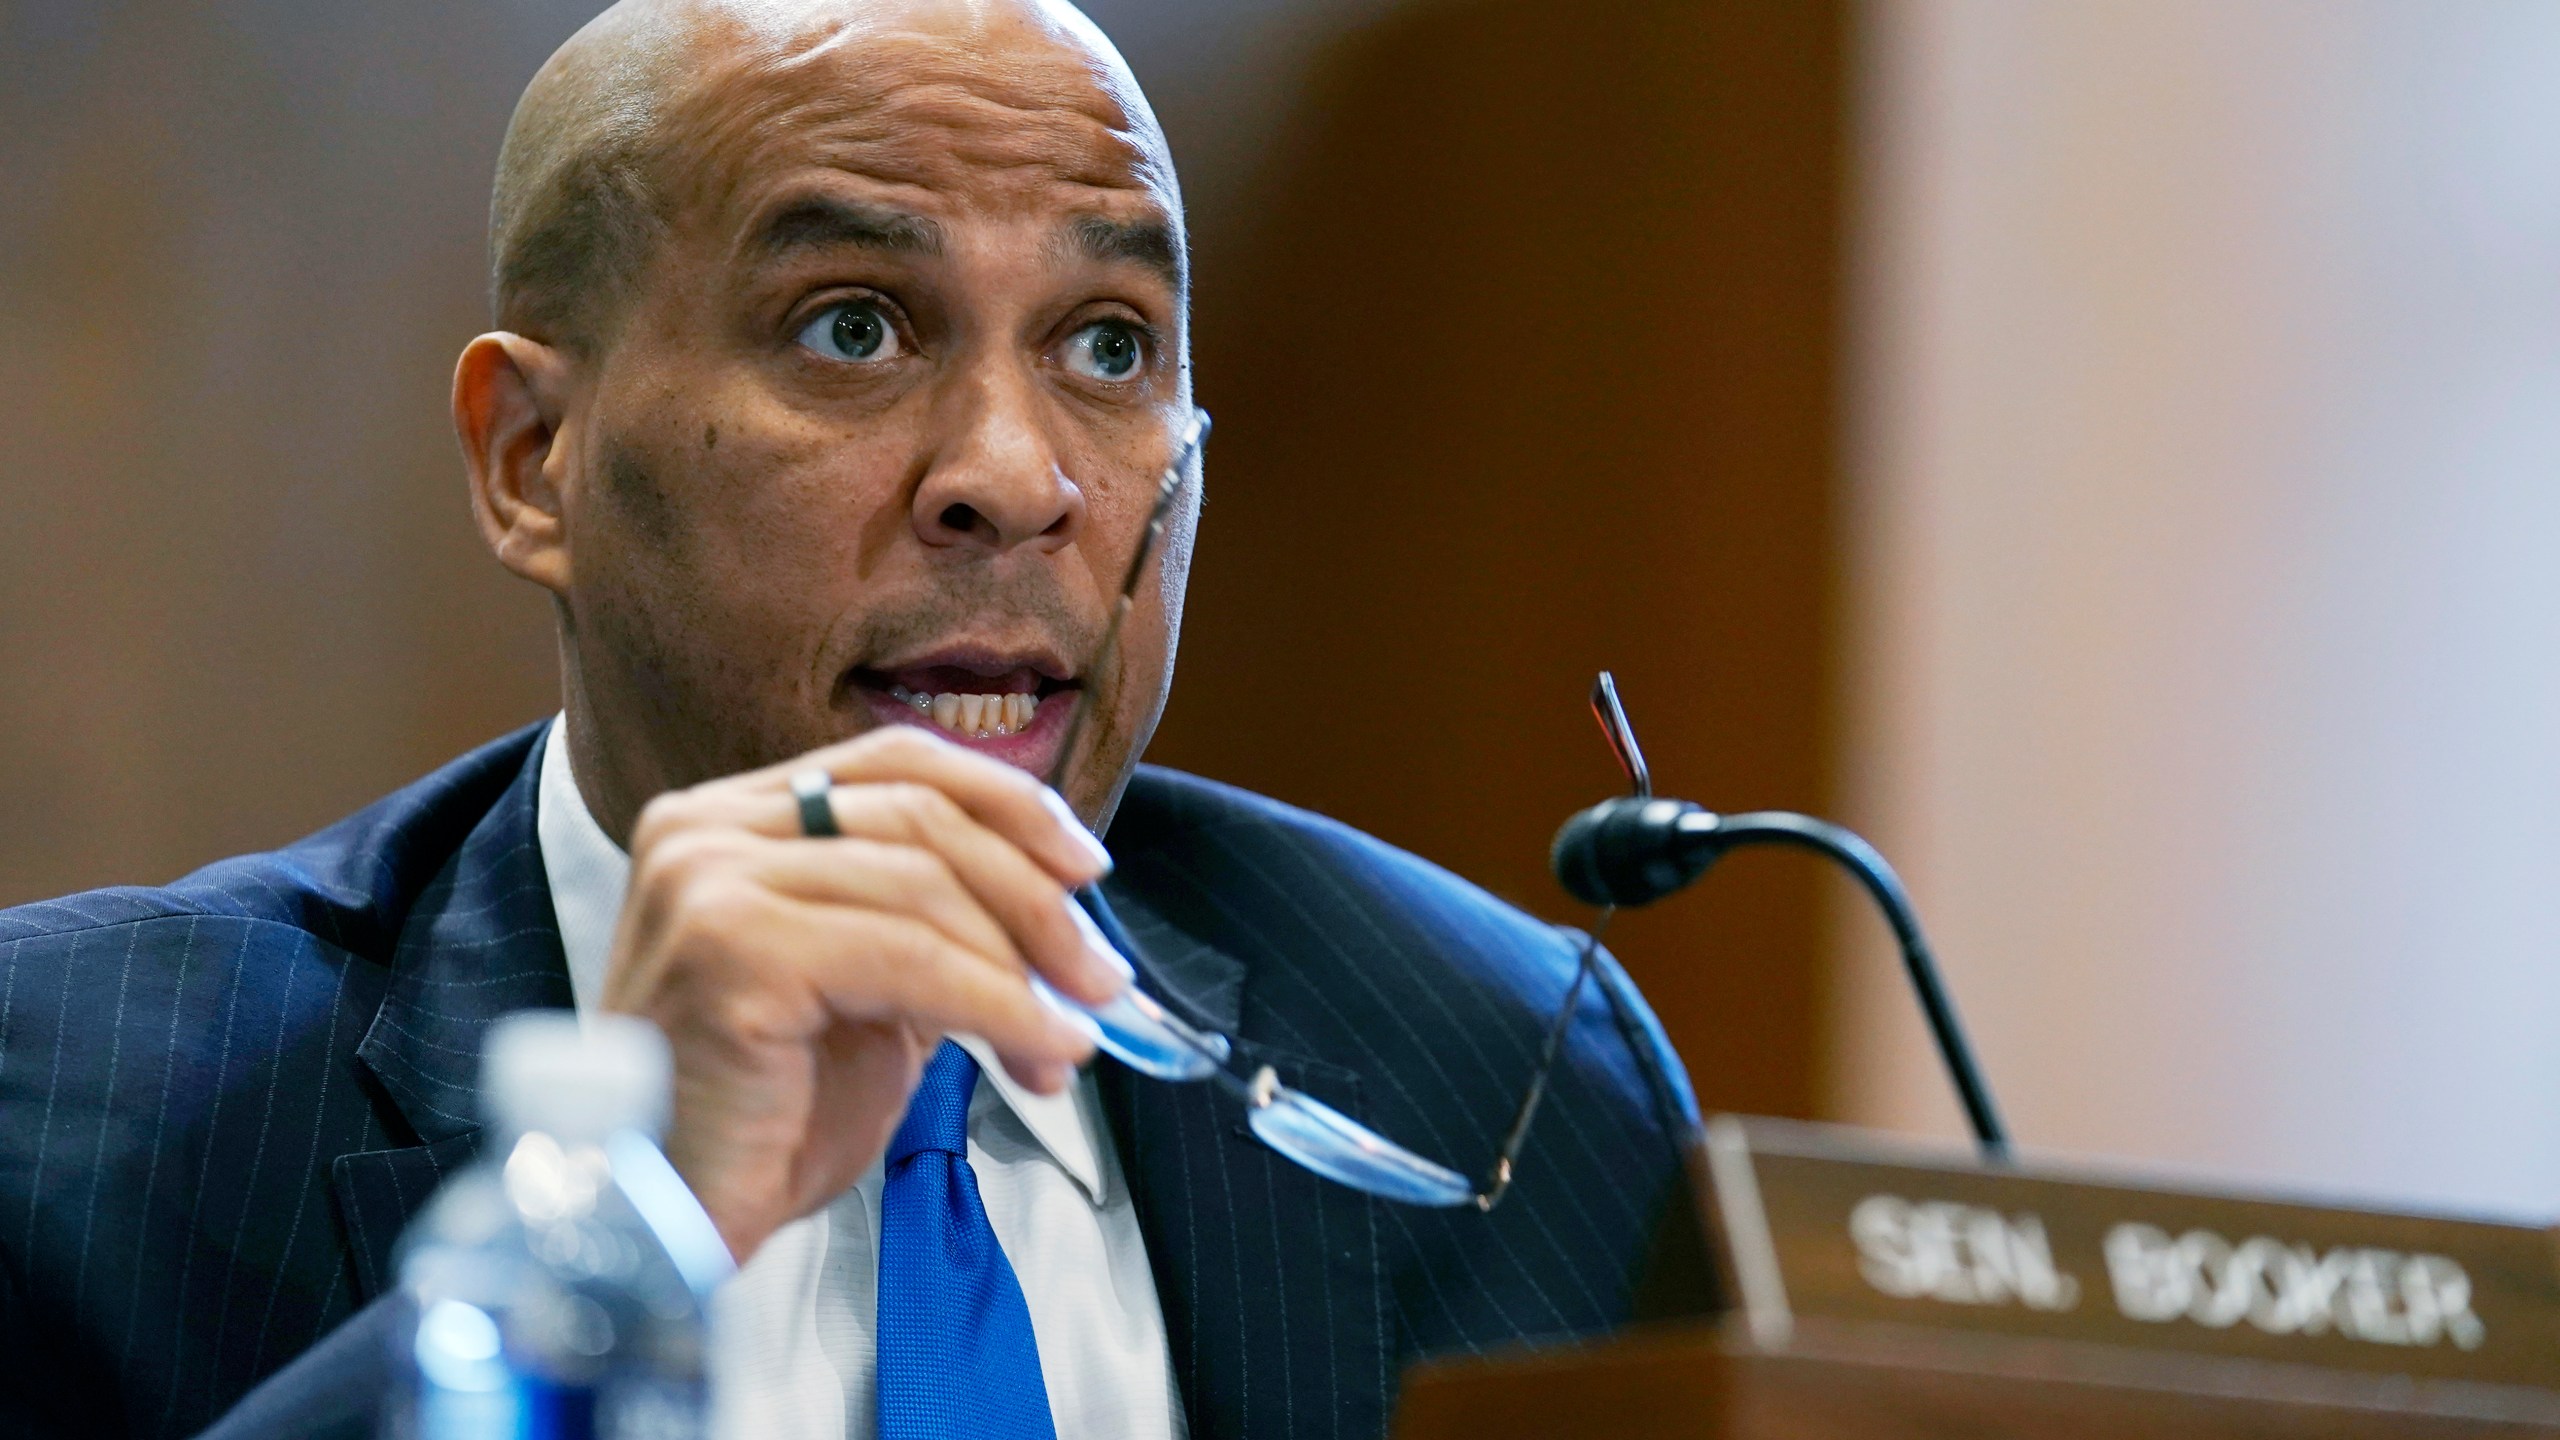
817 812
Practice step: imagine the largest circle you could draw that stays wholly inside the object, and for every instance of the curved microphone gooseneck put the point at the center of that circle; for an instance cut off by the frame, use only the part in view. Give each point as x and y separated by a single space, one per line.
1638 848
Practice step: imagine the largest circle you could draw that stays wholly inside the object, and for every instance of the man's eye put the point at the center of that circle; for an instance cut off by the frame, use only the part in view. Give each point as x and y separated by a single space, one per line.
1106 350
855 330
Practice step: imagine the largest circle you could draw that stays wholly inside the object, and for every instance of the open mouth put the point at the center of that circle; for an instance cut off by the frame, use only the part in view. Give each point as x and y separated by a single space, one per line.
1013 710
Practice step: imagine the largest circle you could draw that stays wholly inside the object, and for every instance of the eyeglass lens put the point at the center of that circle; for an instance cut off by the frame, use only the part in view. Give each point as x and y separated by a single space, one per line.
1347 1152
1139 1033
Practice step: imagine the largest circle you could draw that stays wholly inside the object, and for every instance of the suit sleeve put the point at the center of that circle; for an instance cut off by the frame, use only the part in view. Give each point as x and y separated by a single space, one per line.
332 1391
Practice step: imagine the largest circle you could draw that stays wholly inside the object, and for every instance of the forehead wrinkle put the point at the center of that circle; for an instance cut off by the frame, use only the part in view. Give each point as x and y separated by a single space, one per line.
922 130
911 111
915 165
1036 67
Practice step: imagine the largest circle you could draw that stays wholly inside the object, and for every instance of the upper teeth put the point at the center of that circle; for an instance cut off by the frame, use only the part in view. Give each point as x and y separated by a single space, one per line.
976 715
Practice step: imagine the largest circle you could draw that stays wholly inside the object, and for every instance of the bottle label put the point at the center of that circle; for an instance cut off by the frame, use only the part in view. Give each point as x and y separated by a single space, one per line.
531 1408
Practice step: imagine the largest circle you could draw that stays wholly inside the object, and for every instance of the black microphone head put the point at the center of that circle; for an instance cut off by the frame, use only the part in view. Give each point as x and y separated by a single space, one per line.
1633 850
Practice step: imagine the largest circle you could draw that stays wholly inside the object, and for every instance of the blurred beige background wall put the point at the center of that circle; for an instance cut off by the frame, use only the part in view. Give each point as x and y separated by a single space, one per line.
2207 507
239 248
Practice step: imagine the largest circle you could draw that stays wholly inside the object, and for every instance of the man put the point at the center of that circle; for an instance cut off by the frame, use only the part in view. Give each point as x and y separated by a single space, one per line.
840 347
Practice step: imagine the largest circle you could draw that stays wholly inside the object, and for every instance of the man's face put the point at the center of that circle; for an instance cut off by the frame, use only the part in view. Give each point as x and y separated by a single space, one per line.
880 424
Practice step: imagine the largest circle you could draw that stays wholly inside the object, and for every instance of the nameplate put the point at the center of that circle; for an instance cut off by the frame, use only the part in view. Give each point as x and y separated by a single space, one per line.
1814 1223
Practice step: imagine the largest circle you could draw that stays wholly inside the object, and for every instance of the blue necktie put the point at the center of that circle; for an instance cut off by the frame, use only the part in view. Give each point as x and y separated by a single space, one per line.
955 1350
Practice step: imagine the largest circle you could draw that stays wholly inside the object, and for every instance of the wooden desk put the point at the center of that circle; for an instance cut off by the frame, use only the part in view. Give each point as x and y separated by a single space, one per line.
2038 1303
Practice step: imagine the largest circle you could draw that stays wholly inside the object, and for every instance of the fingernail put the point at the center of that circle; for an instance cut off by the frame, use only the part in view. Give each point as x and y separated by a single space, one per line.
1074 827
1065 1012
1101 947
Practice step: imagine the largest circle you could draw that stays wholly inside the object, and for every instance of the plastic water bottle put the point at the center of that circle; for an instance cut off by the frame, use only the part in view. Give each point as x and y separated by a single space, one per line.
559 1289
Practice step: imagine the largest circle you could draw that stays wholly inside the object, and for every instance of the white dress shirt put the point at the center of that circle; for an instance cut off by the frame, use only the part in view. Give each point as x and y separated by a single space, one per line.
792 1338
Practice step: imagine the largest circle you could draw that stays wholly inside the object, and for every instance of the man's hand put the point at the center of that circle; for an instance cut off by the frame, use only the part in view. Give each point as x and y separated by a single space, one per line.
803 983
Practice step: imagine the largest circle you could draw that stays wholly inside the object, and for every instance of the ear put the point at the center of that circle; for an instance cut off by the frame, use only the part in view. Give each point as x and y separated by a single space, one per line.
511 396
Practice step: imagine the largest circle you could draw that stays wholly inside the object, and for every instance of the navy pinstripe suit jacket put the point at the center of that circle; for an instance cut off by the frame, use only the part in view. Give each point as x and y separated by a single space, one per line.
221 1099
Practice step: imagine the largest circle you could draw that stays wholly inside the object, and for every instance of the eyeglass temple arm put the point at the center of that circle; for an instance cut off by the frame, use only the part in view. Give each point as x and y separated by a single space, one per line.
1497 1180
1620 735
1614 728
1168 487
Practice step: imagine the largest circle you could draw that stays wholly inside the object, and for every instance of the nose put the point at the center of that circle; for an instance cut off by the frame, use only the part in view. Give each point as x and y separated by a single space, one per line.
997 487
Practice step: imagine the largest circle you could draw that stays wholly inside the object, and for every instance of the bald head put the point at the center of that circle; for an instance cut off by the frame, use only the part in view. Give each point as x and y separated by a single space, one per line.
648 109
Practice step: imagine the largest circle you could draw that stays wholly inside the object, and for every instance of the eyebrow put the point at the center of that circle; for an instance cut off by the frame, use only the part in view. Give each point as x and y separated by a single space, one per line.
820 222
1150 243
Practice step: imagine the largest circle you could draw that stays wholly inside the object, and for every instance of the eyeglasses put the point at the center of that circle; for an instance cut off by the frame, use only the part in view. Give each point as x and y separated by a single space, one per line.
1137 1030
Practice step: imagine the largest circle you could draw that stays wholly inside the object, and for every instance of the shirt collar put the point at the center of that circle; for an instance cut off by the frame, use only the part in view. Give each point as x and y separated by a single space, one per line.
588 872
1061 1123
589 875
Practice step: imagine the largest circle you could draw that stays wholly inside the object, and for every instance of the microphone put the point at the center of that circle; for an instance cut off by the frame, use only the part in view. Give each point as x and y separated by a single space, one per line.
1636 849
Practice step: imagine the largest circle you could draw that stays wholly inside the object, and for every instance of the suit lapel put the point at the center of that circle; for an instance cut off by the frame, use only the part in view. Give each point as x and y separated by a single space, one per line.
1274 1294
479 942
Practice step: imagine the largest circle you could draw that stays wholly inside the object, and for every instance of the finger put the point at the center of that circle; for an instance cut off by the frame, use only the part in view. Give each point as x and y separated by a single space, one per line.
1040 1079
873 965
1005 800
880 875
1049 928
